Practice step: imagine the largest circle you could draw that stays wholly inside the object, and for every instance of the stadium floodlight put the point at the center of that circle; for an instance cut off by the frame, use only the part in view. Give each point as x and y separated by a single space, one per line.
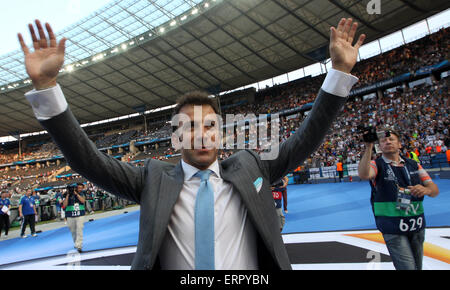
98 57
183 18
131 43
173 23
69 68
142 38
162 29
124 46
195 11
206 5
115 50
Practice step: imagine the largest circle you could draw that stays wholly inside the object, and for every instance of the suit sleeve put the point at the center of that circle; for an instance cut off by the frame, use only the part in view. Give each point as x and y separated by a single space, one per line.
309 136
81 154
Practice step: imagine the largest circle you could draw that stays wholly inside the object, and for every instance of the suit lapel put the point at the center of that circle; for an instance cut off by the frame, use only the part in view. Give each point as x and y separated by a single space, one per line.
170 188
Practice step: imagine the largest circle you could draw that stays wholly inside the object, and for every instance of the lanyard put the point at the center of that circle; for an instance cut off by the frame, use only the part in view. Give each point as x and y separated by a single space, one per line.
408 176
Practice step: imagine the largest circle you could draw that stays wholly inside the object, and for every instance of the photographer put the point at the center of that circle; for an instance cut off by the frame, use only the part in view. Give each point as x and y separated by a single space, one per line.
74 201
398 187
277 191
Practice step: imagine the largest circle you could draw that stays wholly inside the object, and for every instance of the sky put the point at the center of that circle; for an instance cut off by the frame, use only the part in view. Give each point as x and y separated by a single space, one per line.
16 14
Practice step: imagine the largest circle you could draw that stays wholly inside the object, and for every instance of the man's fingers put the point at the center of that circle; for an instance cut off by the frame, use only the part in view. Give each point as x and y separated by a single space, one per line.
23 45
51 35
334 34
62 46
347 27
417 191
36 44
43 42
341 25
352 33
360 42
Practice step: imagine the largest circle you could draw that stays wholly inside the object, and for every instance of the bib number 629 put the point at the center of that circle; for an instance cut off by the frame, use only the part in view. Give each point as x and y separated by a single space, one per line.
411 225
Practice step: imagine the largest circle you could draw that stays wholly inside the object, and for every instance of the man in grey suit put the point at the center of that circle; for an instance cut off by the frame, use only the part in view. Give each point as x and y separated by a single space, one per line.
245 231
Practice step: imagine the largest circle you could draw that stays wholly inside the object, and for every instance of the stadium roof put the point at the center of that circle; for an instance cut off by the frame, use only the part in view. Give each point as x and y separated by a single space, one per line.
146 53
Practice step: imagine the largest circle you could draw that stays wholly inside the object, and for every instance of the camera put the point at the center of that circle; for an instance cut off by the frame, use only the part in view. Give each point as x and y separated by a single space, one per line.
70 190
370 134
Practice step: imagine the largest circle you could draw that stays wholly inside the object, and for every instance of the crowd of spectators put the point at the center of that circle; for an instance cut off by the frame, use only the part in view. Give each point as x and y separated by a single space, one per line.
426 51
421 114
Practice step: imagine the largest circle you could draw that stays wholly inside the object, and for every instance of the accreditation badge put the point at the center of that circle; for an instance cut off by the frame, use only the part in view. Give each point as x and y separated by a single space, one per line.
403 199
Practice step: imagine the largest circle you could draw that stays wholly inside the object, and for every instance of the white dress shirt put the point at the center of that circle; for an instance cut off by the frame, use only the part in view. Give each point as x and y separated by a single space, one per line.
235 239
235 236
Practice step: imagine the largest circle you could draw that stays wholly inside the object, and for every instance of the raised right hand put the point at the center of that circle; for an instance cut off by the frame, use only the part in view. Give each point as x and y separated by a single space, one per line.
44 63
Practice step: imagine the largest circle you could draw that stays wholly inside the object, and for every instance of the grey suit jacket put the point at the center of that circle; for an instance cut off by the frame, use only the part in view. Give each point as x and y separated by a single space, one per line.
157 185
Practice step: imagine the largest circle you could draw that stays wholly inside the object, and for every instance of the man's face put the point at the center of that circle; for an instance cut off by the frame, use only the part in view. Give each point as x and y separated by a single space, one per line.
203 127
29 192
80 188
390 145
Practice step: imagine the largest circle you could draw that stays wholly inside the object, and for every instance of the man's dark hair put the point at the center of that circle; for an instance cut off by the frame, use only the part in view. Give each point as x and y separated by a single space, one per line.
195 98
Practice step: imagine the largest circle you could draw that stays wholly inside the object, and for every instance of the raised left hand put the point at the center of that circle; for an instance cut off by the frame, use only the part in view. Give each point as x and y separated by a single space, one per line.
342 51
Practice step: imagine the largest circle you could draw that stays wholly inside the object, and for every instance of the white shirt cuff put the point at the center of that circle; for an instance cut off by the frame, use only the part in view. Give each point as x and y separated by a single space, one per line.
47 103
339 83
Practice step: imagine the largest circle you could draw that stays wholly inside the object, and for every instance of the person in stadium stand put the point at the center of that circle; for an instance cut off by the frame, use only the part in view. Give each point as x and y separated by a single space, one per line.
90 199
5 206
101 199
284 193
399 185
169 236
283 189
296 174
37 202
59 198
28 213
74 204
413 156
340 170
277 196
